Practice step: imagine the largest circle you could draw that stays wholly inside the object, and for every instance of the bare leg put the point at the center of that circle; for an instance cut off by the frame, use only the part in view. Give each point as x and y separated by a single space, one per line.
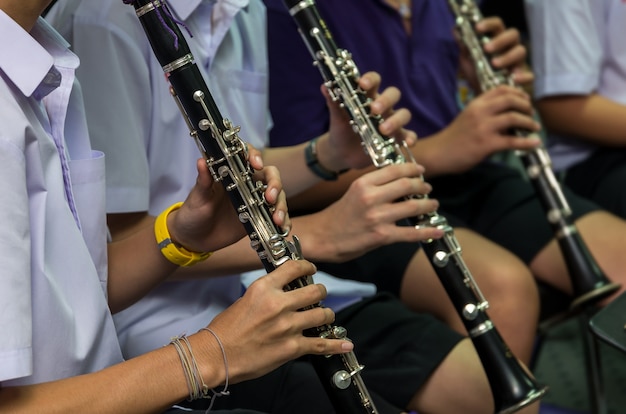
459 385
505 281
605 236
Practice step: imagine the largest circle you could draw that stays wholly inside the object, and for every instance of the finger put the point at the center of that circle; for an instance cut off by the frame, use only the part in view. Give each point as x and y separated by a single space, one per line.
289 271
406 187
305 295
523 77
385 101
411 234
503 90
281 214
319 346
204 179
504 102
254 157
502 41
512 58
408 209
522 144
514 120
312 318
334 109
490 25
395 122
408 136
271 177
390 173
370 82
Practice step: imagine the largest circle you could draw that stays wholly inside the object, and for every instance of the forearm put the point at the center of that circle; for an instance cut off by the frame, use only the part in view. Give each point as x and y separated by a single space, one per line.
136 265
323 193
313 233
593 118
291 162
147 384
231 260
431 152
295 175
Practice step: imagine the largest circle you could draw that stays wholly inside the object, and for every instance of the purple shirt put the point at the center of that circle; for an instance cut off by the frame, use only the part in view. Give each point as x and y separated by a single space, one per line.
422 65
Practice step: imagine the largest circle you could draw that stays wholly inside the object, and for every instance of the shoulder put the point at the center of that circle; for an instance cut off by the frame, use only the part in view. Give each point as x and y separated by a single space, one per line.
76 18
14 119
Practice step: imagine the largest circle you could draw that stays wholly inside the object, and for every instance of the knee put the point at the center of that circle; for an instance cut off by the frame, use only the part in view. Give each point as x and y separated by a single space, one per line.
459 384
511 284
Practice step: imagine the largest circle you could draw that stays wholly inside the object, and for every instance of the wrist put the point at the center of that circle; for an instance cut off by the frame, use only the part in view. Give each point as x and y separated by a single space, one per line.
170 248
318 245
210 360
321 160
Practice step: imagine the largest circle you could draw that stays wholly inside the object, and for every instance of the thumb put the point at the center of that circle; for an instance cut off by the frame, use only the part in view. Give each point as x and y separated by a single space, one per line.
205 180
334 108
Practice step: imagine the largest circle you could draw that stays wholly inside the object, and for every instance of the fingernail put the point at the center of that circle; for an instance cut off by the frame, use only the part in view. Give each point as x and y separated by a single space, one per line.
281 215
347 346
259 160
274 194
365 83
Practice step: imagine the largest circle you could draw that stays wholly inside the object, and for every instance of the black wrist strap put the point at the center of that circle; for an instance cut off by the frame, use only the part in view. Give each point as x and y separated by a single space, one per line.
310 155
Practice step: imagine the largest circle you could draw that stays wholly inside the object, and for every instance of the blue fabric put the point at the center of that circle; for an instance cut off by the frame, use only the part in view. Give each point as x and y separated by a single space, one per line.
425 61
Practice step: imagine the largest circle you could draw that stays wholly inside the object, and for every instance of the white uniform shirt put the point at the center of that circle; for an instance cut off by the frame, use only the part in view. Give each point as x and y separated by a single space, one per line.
152 158
54 317
577 48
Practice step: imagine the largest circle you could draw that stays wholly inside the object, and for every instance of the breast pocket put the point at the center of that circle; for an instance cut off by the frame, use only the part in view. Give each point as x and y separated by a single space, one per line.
243 98
88 188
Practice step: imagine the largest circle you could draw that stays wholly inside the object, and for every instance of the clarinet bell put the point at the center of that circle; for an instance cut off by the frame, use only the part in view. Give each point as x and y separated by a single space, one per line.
532 397
594 295
512 385
590 285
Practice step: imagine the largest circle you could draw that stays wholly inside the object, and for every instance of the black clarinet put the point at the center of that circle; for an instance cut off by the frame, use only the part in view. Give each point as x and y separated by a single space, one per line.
511 384
589 283
226 156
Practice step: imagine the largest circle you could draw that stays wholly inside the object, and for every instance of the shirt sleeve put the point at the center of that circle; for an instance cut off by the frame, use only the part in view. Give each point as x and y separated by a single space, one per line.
15 279
116 72
566 51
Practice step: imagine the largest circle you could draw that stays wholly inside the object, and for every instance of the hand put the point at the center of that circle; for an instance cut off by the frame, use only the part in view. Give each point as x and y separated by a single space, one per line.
482 129
504 50
342 148
365 217
208 221
263 329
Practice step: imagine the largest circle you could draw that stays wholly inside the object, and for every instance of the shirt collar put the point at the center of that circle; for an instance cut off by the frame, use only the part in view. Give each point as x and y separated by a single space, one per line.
28 59
184 8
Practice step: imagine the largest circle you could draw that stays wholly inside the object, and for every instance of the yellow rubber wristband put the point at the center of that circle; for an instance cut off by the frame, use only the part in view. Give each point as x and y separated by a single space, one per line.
174 253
